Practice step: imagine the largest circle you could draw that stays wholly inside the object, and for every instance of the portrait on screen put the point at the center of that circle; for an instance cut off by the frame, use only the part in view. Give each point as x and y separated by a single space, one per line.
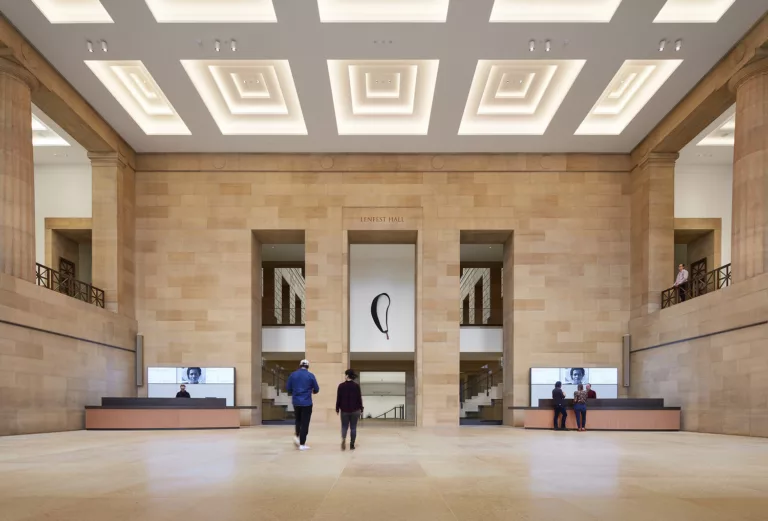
192 375
575 376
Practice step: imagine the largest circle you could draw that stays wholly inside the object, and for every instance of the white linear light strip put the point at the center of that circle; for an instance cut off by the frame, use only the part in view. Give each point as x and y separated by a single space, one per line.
250 119
73 11
383 11
602 122
615 99
722 136
44 136
554 11
488 115
422 74
693 11
364 104
155 116
212 11
249 105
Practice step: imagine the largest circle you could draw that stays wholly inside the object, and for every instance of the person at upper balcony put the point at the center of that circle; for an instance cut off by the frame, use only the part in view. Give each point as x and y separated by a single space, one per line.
681 283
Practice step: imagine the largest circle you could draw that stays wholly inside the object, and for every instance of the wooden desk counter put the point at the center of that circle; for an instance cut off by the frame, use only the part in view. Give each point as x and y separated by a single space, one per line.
609 415
154 418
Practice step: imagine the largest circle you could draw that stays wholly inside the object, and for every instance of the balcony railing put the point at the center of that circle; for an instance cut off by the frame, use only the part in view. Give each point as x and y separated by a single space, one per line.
697 286
481 316
68 285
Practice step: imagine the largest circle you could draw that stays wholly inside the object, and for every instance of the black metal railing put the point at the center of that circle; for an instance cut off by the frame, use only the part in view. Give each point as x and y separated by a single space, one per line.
68 285
697 286
481 316
480 383
395 413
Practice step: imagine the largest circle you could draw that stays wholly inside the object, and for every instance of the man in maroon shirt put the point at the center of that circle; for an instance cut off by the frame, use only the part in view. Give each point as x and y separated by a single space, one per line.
590 393
349 401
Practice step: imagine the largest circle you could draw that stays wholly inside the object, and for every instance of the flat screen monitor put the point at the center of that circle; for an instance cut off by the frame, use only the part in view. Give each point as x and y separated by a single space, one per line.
201 382
604 380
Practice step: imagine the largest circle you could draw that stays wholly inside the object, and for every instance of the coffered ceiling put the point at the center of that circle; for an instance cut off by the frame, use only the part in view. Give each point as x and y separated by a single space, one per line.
399 76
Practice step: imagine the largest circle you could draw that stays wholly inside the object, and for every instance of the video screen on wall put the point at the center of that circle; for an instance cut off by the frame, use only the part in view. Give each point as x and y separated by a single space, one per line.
604 381
201 382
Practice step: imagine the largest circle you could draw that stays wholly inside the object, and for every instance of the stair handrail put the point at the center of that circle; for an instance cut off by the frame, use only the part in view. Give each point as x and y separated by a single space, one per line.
483 381
396 408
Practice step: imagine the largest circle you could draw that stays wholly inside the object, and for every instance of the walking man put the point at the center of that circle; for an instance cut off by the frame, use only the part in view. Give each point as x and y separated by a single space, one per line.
349 401
302 385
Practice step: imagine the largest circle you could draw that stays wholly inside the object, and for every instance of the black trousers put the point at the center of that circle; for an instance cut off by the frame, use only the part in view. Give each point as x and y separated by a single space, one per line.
560 409
303 415
349 421
681 294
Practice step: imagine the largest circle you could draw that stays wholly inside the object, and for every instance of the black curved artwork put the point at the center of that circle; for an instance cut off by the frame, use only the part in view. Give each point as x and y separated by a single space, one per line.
375 313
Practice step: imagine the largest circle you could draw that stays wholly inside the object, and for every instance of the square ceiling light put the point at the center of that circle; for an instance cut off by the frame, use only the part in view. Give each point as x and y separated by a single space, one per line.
212 11
517 97
134 88
548 11
722 136
249 97
629 91
74 11
693 11
379 11
44 136
383 97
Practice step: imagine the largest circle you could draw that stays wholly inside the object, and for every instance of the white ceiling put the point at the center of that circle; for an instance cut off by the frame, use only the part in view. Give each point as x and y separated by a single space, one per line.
453 50
69 154
701 151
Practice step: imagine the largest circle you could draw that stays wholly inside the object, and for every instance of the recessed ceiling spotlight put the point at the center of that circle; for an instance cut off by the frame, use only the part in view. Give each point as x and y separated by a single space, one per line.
104 45
547 46
89 45
233 45
532 45
217 46
662 45
678 44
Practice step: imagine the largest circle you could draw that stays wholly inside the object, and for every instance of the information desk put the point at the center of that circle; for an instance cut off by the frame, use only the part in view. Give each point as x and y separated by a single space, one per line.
619 414
162 414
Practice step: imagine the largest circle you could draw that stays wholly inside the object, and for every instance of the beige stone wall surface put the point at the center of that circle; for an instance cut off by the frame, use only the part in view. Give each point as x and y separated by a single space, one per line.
718 380
46 380
571 256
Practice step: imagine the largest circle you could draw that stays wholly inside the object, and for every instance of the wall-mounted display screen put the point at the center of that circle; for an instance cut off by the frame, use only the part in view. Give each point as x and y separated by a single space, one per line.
201 382
604 381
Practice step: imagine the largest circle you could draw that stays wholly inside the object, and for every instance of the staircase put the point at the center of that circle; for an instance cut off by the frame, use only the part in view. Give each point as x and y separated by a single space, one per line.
481 396
470 408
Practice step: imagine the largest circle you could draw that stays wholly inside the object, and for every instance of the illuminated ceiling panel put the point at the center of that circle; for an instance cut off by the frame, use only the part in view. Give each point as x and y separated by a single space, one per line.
693 11
134 88
74 11
383 97
629 91
517 97
379 11
44 136
722 136
212 11
249 97
520 11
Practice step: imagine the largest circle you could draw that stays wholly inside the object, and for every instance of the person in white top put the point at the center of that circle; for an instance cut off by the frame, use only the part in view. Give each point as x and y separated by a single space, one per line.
681 283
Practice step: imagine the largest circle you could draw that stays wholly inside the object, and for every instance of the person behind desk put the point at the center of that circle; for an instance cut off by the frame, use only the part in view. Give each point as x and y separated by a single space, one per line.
183 392
558 398
592 395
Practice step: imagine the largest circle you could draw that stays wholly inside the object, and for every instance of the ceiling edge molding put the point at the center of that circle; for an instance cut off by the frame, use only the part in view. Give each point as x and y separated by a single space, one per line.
500 163
60 101
706 101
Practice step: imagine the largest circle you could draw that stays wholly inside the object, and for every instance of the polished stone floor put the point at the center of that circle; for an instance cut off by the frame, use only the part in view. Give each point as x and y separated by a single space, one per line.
469 473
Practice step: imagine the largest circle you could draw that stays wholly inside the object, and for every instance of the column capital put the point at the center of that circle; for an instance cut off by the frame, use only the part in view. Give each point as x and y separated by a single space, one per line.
756 67
16 71
107 159
659 158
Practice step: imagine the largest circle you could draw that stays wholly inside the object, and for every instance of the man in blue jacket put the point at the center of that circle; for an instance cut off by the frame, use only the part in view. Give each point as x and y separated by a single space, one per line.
302 385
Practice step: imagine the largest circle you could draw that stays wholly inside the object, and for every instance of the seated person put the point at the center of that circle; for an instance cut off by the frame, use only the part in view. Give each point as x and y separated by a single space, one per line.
182 392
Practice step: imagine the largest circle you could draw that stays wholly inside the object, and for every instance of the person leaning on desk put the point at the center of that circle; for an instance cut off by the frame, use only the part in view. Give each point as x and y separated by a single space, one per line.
183 392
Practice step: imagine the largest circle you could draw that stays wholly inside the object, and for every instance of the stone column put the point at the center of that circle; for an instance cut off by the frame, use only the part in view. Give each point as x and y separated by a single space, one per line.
508 342
749 238
410 396
652 231
268 308
17 172
255 415
113 265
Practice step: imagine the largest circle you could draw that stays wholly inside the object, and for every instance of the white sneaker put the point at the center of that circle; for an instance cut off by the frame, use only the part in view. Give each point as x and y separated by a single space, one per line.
296 440
304 447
